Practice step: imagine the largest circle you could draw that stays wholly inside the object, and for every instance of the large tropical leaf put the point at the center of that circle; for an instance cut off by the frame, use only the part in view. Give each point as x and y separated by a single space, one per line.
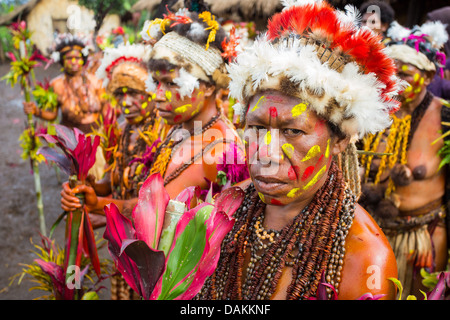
187 250
118 228
150 264
62 161
148 214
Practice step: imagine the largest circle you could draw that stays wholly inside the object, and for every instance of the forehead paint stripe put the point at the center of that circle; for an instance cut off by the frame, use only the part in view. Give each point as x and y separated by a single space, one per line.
182 109
316 178
273 112
257 104
298 109
314 151
288 149
292 193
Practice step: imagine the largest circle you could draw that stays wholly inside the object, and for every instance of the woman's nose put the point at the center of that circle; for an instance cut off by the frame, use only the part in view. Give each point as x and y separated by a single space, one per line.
160 94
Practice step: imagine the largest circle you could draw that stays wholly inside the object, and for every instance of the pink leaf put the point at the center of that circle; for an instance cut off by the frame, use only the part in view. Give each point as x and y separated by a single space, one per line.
148 215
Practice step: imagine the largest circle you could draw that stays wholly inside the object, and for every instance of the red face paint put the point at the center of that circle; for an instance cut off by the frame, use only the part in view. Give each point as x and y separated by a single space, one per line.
177 95
276 202
294 172
308 172
177 118
320 126
273 112
320 159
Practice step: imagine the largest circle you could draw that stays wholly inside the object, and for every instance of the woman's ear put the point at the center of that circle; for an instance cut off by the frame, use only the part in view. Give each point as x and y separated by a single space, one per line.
210 89
428 76
339 145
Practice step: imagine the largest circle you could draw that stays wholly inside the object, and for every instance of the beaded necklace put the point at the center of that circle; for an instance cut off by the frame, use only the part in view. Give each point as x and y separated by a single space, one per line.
169 146
311 245
126 187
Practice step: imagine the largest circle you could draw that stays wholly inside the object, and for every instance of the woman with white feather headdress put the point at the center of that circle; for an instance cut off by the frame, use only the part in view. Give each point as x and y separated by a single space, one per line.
405 187
307 89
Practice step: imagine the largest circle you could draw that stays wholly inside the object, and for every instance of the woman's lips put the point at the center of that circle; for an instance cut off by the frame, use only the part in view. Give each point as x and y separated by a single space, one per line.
164 113
268 185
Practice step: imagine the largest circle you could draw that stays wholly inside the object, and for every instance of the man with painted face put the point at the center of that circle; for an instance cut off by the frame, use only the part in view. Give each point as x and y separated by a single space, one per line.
404 189
306 92
80 94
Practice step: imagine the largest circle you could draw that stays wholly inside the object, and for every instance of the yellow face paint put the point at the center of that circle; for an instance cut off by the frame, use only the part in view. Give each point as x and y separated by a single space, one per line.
292 193
314 151
405 67
257 104
169 95
416 77
261 196
144 105
182 109
74 60
80 62
288 149
124 89
316 178
327 151
408 89
154 96
299 109
268 138
127 111
124 103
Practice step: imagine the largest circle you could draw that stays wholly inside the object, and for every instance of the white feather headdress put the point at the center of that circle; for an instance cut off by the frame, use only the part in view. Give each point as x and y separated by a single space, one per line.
139 52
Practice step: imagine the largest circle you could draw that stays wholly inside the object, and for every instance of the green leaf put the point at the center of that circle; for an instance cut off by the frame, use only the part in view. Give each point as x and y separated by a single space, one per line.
399 286
186 254
91 295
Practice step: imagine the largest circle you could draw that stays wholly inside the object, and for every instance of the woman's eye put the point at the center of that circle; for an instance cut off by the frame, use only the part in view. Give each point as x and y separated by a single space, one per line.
292 132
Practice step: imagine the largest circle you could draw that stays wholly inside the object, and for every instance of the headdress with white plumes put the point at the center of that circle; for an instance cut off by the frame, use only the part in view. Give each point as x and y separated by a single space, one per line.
319 54
138 53
66 41
427 40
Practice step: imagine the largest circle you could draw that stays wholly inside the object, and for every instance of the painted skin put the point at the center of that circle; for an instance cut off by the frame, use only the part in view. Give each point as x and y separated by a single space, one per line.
362 273
171 106
136 105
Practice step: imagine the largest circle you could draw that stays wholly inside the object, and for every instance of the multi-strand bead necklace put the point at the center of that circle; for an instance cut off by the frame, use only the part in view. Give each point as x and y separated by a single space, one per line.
311 245
169 146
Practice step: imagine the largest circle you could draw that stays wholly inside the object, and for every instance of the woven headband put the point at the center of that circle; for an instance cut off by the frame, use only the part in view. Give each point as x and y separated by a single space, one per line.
208 60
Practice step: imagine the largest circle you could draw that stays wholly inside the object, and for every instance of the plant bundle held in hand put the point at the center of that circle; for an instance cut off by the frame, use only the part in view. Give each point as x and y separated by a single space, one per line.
76 159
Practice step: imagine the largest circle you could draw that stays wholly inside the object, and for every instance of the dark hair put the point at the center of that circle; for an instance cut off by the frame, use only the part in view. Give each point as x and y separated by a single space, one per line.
336 131
160 65
387 13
